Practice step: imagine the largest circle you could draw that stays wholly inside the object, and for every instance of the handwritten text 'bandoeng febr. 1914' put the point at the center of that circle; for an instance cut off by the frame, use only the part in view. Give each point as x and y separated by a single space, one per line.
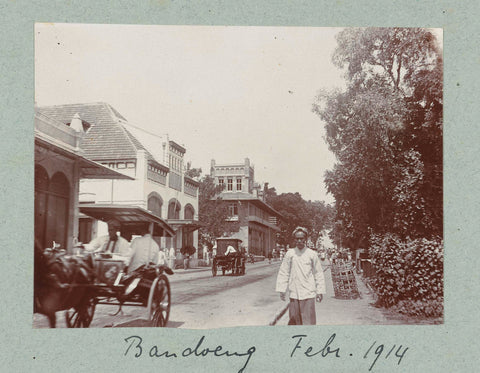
137 348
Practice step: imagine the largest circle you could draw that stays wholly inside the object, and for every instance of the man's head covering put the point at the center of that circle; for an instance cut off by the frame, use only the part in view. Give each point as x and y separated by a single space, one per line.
300 229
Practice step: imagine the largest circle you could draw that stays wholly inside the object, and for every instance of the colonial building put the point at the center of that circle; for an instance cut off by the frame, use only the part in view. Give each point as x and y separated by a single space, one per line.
159 184
258 222
59 166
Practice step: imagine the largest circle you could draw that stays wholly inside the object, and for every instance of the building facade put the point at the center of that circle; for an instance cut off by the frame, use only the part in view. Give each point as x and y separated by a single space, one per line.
161 188
59 166
258 222
234 177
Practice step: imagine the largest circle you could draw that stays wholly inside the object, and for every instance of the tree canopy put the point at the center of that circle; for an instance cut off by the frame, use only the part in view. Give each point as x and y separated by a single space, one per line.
386 132
315 216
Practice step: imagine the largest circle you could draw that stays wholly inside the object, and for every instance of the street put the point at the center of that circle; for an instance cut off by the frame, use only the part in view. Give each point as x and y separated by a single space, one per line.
201 301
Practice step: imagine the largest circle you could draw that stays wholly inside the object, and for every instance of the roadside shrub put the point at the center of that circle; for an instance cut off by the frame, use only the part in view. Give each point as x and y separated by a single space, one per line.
188 250
427 307
409 274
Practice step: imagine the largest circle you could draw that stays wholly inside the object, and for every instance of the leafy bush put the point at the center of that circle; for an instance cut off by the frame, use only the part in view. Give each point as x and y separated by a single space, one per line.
188 250
428 307
409 274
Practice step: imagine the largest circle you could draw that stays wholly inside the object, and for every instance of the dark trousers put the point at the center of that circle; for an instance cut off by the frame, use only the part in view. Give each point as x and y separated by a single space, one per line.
302 312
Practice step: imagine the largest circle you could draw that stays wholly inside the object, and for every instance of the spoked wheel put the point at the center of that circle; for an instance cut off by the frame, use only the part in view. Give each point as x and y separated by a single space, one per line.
82 315
159 301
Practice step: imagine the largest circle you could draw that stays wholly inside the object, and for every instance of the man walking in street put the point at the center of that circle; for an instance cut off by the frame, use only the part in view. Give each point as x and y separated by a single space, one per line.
301 274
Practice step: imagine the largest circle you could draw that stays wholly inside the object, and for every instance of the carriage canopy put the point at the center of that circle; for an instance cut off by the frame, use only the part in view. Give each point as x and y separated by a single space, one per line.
130 217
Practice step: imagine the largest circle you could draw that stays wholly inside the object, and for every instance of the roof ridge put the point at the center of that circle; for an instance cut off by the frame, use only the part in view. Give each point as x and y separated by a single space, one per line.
114 111
132 137
73 104
128 135
107 106
117 121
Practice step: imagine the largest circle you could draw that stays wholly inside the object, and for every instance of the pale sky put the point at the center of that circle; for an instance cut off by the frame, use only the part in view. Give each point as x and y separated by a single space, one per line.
225 93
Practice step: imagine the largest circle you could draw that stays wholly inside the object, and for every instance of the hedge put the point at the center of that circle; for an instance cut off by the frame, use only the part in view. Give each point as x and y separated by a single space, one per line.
409 274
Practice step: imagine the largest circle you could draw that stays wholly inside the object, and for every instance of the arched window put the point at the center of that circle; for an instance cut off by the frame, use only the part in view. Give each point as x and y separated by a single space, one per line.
58 203
155 203
174 209
41 192
187 237
189 212
52 208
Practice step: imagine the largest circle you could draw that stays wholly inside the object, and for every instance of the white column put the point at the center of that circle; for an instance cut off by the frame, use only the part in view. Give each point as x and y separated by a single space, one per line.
141 174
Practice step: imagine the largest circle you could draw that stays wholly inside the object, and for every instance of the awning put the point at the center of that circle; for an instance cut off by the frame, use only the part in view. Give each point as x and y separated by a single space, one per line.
88 168
187 225
93 170
130 217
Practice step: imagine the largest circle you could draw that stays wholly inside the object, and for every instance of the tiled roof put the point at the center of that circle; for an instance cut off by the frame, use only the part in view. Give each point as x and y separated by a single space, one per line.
107 139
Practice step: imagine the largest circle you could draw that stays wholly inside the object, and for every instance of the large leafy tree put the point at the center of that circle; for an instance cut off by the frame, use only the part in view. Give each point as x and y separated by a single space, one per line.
386 132
320 216
315 216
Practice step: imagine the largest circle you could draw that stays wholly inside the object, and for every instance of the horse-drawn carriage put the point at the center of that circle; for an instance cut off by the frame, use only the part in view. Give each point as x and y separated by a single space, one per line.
234 262
77 283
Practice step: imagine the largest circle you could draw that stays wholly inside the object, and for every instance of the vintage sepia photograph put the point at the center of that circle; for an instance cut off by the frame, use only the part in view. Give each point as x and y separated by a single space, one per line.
203 177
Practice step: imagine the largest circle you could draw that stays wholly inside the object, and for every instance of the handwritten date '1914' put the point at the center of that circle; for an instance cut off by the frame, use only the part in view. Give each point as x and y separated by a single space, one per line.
382 348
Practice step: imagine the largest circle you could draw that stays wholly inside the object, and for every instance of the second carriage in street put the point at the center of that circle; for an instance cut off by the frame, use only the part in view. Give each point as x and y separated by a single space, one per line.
233 262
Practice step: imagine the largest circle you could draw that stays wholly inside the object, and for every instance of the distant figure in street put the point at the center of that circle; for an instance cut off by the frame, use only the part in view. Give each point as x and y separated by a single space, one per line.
214 251
171 258
111 243
162 257
145 250
302 275
230 250
206 254
270 257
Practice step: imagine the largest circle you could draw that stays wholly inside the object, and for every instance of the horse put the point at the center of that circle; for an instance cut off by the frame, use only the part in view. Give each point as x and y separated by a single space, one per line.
62 283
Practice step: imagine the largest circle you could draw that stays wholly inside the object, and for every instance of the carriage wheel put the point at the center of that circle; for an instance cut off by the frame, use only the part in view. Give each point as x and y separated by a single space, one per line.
159 301
82 315
214 269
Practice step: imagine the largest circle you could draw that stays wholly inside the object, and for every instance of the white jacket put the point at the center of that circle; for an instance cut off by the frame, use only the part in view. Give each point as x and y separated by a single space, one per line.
301 274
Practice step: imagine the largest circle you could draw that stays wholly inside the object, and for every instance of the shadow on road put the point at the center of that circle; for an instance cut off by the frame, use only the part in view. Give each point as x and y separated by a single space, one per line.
137 323
143 323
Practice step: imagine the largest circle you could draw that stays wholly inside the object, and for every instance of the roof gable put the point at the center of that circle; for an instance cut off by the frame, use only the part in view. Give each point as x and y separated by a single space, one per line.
107 139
